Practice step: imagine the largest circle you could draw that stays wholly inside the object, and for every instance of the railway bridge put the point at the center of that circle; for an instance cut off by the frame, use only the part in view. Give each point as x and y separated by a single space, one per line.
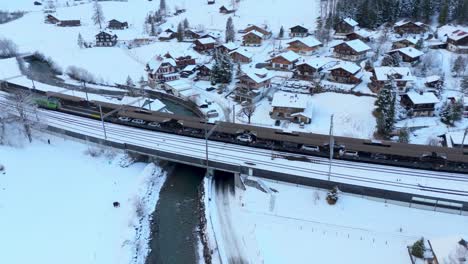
429 189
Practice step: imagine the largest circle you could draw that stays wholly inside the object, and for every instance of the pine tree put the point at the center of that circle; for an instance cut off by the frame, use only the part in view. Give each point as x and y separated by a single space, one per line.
459 65
385 111
281 33
443 13
230 32
129 81
49 6
451 112
180 32
98 15
80 41
426 10
418 248
419 44
186 24
222 69
162 8
464 86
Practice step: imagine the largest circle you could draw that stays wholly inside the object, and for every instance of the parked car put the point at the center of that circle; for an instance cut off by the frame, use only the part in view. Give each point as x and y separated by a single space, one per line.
138 121
301 125
277 123
310 148
204 106
125 119
209 89
349 153
154 124
212 113
244 138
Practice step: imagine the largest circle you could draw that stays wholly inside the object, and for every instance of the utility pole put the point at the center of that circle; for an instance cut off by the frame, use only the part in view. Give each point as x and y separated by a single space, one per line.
234 113
102 120
332 146
86 92
207 136
463 140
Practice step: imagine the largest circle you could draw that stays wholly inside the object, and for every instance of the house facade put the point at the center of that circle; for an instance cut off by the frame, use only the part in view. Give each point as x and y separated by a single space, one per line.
419 103
345 72
50 19
345 26
304 46
115 24
409 27
353 50
382 76
241 56
403 43
408 54
162 70
458 42
252 38
104 39
204 44
284 61
252 86
69 23
265 33
291 106
298 32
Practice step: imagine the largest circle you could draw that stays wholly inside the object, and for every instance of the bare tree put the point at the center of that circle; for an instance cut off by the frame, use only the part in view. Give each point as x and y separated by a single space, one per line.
248 111
8 48
23 110
98 14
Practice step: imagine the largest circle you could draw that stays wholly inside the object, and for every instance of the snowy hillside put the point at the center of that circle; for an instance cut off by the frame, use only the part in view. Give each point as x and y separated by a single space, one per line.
114 64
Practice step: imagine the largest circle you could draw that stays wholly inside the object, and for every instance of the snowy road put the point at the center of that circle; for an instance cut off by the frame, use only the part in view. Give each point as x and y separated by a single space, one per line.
429 183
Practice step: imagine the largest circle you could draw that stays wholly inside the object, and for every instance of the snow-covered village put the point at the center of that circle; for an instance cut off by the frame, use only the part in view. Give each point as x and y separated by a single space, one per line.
234 131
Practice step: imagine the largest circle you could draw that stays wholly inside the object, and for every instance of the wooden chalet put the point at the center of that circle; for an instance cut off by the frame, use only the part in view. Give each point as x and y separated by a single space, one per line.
266 34
362 35
345 26
104 39
211 2
409 27
345 72
419 103
382 76
252 38
204 44
298 31
252 85
69 23
50 19
403 43
284 61
204 71
291 106
433 81
167 35
304 46
241 56
408 54
192 34
353 50
224 10
310 69
458 42
181 60
162 70
227 47
115 24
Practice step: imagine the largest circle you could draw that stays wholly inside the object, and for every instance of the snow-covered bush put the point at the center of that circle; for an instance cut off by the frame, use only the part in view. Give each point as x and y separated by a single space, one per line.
52 64
451 112
80 74
332 195
94 152
8 48
418 248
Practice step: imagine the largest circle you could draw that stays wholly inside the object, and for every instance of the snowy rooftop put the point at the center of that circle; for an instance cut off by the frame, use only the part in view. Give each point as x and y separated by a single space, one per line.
230 46
317 62
412 40
422 98
448 250
458 34
189 68
179 85
258 75
293 100
348 66
404 22
456 138
156 62
432 78
254 32
358 45
9 68
243 52
289 56
410 52
382 73
205 41
150 104
350 21
309 41
363 33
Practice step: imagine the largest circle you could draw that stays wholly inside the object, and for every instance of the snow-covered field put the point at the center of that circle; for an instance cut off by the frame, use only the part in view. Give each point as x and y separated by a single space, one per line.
56 204
294 224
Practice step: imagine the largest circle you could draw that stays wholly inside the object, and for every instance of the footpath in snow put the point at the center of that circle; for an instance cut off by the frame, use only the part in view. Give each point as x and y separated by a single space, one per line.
56 204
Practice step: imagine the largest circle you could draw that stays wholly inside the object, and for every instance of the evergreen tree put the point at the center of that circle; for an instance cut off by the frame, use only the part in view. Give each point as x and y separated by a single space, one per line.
186 24
180 32
451 112
416 7
129 82
98 14
427 10
230 32
281 33
222 69
49 6
162 8
418 248
443 13
385 111
464 85
459 65
419 44
80 41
